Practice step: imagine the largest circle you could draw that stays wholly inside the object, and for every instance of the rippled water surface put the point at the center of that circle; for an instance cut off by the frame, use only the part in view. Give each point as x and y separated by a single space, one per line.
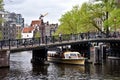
22 69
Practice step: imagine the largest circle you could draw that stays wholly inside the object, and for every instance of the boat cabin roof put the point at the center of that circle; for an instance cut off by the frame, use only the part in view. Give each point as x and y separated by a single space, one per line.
52 52
71 53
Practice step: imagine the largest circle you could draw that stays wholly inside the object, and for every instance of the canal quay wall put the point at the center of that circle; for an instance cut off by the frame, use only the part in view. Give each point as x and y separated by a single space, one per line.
4 58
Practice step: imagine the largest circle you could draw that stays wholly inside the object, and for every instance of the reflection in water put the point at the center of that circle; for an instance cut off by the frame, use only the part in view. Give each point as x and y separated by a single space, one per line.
108 70
39 71
67 72
22 69
113 67
3 72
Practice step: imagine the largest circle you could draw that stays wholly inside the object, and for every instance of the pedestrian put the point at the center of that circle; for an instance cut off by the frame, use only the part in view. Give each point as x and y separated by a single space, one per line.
60 37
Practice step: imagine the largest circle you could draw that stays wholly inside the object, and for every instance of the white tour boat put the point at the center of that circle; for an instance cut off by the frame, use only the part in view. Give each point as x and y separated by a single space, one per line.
66 57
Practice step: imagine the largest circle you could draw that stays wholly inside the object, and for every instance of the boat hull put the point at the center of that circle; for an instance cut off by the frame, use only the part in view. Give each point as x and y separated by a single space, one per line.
80 61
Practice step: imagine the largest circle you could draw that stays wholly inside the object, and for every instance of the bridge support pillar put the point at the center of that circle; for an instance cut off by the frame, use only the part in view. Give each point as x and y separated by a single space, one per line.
39 55
4 58
97 55
103 51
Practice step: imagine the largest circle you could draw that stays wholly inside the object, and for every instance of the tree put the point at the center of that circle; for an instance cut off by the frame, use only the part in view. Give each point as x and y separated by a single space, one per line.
84 18
114 20
1 9
1 19
79 19
1 5
107 6
69 21
18 35
87 17
0 35
37 34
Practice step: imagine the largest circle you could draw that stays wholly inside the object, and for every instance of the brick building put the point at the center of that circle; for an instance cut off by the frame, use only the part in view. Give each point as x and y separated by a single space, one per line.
9 26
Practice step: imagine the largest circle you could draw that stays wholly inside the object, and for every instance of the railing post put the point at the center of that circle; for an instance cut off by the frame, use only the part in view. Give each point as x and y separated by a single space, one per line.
53 39
88 35
32 41
60 37
17 43
46 39
75 37
1 44
25 43
81 35
39 40
9 43
71 36
68 37
78 35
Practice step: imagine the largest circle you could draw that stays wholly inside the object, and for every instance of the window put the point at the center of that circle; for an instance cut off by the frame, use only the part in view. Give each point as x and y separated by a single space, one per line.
72 54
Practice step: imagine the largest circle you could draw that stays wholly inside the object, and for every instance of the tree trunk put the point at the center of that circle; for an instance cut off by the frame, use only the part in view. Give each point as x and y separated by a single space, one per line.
107 29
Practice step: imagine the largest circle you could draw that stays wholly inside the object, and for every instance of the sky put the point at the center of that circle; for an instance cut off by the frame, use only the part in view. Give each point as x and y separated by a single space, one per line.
31 9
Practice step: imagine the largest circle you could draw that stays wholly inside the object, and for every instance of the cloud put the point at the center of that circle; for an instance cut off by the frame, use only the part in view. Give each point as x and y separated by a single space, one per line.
31 9
12 2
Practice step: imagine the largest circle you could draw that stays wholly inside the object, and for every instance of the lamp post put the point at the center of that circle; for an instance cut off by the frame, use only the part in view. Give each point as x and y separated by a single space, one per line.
115 26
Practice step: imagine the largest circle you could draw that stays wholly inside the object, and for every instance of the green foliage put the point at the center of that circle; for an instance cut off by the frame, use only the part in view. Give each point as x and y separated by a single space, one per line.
107 6
1 9
19 35
0 35
79 19
69 21
37 34
83 19
113 20
1 5
86 18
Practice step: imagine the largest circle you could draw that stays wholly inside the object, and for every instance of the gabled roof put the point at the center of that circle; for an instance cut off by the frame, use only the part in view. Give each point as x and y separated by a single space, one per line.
27 29
36 22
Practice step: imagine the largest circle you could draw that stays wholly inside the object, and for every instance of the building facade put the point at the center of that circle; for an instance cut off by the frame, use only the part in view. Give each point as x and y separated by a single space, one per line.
40 28
9 26
27 32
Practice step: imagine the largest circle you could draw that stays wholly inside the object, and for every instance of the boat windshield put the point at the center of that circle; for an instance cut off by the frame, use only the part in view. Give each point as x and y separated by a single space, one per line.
72 55
75 54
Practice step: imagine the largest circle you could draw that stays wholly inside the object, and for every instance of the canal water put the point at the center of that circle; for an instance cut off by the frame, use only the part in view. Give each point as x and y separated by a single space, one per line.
22 69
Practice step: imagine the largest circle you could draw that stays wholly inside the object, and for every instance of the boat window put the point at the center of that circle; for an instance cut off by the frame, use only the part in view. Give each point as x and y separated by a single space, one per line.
67 56
72 54
78 55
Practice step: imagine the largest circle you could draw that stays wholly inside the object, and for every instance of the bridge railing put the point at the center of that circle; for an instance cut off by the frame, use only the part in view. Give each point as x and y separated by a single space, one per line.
16 43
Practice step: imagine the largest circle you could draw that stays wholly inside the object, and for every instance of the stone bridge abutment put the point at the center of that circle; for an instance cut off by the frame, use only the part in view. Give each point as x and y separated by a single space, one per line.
4 58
